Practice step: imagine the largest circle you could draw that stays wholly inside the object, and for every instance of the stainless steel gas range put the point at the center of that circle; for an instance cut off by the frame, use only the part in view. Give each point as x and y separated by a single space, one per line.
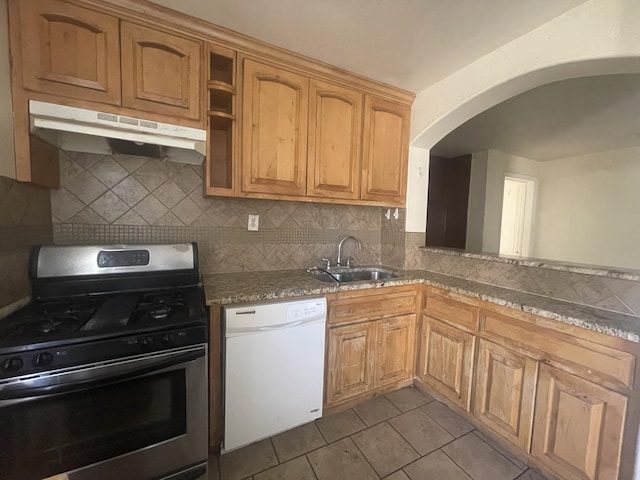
104 374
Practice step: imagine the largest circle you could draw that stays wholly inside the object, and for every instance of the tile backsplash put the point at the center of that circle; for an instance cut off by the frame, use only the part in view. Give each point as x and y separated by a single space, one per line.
106 199
25 220
607 293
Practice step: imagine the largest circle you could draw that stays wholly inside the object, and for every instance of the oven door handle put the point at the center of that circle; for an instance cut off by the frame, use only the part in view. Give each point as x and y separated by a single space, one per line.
94 376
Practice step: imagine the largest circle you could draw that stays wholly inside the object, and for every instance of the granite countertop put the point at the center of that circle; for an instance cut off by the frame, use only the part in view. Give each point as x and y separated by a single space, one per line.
251 287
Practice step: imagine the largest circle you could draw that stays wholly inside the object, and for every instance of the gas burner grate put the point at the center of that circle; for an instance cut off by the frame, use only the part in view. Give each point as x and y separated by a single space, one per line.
159 306
50 318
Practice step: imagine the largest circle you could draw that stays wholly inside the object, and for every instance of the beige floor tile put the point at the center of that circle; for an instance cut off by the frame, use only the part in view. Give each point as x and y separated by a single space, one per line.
376 410
520 463
421 431
531 475
479 460
340 460
399 475
297 441
408 398
340 425
448 419
213 468
384 448
297 469
248 461
435 466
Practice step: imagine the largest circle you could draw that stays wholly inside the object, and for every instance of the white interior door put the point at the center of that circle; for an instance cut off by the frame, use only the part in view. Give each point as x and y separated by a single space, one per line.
517 216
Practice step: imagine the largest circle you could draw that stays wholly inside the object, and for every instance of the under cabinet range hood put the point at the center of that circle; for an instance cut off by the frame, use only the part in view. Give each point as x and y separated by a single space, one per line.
79 130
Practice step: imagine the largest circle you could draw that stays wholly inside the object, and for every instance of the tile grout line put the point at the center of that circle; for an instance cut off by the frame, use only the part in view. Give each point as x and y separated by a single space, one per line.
498 451
362 453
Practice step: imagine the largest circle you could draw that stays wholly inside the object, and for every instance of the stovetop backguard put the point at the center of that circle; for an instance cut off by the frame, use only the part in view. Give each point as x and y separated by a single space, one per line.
83 293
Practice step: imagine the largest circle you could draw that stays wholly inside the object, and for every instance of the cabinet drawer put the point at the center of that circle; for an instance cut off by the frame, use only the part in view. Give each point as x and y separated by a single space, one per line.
451 311
372 306
581 357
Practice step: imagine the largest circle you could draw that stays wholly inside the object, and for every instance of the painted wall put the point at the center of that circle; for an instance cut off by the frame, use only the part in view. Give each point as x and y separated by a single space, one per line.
477 193
499 163
597 37
7 159
588 209
586 206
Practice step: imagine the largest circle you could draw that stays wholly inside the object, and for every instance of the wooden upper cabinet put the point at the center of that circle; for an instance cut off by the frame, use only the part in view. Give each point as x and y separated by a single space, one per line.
505 392
385 151
161 73
69 51
335 131
274 130
578 427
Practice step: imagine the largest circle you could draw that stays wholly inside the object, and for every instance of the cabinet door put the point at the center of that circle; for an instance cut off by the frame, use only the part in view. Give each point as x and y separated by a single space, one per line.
69 51
395 351
578 427
385 151
335 133
161 73
350 361
274 130
446 360
505 392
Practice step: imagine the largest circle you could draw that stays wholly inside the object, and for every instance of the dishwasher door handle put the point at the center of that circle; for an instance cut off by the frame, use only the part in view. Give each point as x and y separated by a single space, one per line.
230 332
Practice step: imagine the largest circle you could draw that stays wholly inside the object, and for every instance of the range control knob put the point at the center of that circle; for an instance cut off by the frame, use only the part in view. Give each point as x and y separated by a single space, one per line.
12 364
43 359
168 339
145 342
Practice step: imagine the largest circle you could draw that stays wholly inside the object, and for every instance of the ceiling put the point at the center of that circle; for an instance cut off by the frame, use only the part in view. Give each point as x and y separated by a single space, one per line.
407 43
558 120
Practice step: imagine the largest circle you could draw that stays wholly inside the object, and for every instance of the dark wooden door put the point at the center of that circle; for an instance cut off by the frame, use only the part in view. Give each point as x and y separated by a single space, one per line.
448 202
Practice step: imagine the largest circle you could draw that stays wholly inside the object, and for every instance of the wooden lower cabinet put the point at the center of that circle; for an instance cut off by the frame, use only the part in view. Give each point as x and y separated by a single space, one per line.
350 364
578 427
446 361
395 350
504 392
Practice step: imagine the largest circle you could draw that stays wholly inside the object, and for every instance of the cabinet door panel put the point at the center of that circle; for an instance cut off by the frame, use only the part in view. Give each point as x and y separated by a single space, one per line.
578 426
335 131
446 361
274 134
505 391
161 72
350 361
385 151
70 51
395 353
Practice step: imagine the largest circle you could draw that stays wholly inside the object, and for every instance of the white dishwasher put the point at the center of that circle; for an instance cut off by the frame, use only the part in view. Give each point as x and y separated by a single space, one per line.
273 368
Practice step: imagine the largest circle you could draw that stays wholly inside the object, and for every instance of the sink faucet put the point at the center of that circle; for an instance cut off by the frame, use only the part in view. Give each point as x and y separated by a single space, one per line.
340 243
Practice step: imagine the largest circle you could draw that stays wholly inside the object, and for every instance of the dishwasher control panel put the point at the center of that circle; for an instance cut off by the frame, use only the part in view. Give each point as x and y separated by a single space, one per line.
259 317
306 310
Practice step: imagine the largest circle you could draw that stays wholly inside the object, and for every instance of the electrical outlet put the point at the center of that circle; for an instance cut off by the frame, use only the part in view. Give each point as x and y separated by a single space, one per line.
253 224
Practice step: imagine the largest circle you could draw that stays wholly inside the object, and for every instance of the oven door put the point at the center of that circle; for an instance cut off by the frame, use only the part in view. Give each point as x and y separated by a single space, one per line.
145 417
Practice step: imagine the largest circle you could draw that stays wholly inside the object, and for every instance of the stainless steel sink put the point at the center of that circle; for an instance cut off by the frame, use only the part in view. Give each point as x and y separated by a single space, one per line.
368 275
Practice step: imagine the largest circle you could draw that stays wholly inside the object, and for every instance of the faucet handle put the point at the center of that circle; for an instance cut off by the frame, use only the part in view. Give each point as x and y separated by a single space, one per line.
349 260
328 262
